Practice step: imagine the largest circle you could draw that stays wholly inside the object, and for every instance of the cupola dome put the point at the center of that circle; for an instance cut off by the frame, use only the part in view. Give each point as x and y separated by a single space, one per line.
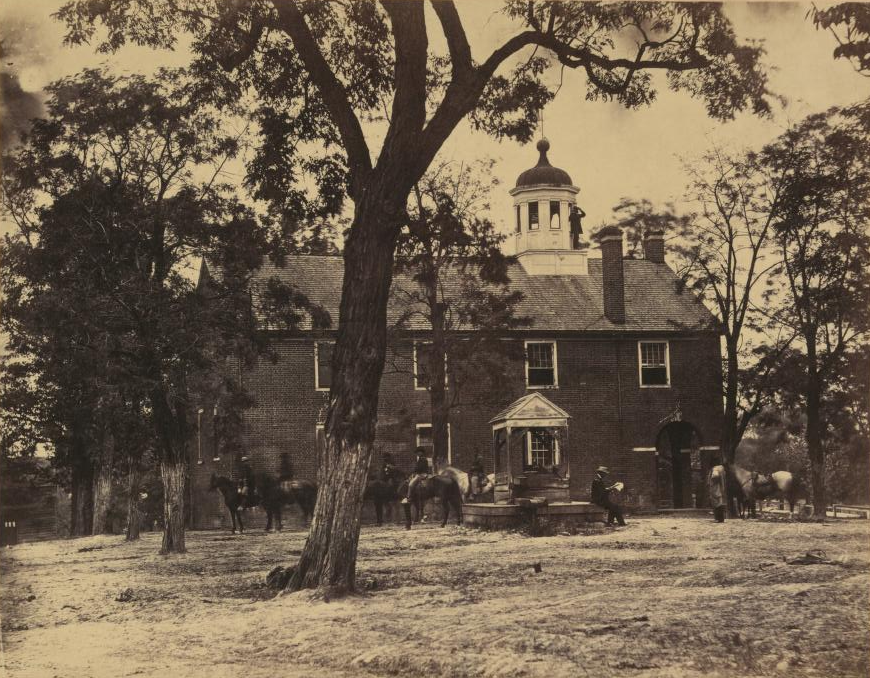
544 174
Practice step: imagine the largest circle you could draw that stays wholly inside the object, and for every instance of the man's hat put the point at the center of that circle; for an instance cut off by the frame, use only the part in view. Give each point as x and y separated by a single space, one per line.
420 450
603 469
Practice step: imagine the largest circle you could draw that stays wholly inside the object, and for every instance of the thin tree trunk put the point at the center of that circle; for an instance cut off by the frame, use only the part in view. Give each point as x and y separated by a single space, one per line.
437 388
174 474
103 482
815 449
134 518
82 505
729 427
328 560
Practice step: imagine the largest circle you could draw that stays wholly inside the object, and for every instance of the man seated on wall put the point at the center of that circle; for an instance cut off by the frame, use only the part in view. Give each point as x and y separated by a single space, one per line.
601 496
421 471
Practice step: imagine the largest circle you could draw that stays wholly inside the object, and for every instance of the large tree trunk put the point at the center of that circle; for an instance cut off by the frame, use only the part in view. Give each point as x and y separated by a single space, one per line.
82 505
174 474
103 482
171 429
328 560
134 519
438 387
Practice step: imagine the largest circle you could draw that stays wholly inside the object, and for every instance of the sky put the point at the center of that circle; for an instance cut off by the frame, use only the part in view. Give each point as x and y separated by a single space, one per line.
609 152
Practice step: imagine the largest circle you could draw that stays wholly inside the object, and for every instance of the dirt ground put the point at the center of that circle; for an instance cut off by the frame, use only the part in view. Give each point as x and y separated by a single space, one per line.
661 597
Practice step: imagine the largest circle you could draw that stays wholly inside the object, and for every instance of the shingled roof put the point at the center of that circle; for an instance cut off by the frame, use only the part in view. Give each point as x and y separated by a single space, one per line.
555 303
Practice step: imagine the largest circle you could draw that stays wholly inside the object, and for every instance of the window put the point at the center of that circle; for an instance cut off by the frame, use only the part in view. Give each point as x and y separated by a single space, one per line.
323 365
533 216
424 439
541 364
422 353
542 449
519 221
654 370
320 437
555 215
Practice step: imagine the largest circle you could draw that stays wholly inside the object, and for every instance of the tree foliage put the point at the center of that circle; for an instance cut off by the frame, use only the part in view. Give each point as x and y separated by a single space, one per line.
849 23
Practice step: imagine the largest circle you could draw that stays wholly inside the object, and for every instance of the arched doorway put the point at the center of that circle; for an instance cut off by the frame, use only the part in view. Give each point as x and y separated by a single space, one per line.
678 466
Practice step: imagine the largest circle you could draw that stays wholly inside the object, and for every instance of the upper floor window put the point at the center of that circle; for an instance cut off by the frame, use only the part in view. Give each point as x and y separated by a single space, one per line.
534 221
541 371
519 220
555 215
323 365
422 355
654 363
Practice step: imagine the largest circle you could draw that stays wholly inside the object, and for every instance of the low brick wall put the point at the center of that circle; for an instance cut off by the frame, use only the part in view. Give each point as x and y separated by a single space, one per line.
555 517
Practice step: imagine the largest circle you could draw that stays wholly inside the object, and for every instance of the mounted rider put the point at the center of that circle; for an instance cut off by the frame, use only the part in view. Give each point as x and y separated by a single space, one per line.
421 471
389 473
247 491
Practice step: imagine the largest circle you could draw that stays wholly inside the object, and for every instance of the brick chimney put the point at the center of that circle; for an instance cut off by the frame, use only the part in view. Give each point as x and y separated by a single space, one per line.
610 238
654 246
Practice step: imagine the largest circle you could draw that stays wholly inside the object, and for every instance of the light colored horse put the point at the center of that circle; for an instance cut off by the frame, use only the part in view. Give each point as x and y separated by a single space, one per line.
780 485
469 489
756 486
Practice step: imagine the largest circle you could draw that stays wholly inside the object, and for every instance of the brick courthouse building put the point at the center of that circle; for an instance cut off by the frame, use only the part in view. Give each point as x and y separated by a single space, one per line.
634 360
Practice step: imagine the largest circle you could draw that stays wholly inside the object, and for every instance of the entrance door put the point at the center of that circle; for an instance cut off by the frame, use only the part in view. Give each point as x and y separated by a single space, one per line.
676 446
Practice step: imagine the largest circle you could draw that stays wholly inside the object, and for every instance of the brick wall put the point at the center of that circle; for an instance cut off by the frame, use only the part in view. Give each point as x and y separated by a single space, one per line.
598 386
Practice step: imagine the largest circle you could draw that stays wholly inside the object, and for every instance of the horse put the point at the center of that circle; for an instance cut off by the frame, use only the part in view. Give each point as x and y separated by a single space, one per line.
443 487
781 485
301 492
755 486
471 491
275 493
233 498
381 492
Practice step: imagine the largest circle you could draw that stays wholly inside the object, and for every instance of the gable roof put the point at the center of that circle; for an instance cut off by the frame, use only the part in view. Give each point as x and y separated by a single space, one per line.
554 303
529 409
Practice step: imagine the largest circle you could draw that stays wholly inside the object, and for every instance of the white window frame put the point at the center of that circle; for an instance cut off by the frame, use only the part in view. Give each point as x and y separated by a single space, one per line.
555 383
558 214
537 225
449 440
557 452
317 386
417 387
667 362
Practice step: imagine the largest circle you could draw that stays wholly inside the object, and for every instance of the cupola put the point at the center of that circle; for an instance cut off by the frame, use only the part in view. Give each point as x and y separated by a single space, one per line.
548 235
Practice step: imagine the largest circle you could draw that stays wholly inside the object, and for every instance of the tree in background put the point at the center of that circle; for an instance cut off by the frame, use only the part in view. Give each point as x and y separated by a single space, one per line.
111 209
726 259
638 216
320 70
450 273
821 232
849 23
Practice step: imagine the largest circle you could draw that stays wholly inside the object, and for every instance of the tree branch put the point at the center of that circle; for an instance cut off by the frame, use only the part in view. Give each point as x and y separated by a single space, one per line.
334 95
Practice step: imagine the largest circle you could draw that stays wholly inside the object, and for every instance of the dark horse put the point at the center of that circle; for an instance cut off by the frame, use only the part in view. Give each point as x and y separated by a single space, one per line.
275 493
233 498
444 488
382 492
